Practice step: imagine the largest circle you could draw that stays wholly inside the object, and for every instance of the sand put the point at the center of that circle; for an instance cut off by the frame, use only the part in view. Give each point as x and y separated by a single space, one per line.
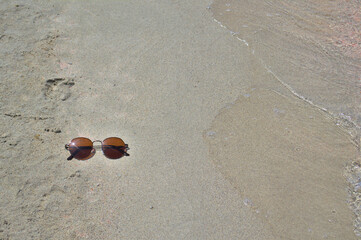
170 81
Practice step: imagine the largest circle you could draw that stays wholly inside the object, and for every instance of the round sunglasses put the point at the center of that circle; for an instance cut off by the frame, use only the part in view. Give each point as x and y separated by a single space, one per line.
83 148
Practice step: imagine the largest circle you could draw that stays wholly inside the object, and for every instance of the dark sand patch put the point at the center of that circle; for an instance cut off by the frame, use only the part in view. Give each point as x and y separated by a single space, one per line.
287 160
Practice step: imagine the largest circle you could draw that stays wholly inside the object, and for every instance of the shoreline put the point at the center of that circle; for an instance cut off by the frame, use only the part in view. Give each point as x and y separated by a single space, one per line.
227 15
158 75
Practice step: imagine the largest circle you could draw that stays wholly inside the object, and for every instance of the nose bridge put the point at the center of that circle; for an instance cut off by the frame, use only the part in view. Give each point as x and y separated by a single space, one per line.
97 146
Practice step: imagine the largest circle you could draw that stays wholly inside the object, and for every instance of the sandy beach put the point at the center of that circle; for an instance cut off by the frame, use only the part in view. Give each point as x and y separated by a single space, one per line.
242 119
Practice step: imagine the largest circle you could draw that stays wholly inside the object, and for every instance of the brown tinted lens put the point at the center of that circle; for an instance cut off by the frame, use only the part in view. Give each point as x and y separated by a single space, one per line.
114 148
81 148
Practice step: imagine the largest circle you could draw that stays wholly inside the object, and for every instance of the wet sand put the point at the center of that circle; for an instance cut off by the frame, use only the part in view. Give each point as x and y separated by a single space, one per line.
287 160
312 49
163 76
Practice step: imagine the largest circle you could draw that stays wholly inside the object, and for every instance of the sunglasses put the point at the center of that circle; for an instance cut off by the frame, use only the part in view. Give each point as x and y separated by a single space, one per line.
82 148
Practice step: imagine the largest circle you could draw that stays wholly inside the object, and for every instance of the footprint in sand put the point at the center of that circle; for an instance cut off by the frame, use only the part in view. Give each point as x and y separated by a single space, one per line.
58 88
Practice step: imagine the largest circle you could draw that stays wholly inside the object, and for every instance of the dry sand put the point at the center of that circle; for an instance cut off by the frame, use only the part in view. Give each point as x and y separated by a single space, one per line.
220 147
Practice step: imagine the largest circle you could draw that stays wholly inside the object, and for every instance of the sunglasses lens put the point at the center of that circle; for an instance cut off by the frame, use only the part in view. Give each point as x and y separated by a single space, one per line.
114 148
81 148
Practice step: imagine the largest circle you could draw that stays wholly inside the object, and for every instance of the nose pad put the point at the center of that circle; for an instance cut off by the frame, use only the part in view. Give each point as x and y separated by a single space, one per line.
92 153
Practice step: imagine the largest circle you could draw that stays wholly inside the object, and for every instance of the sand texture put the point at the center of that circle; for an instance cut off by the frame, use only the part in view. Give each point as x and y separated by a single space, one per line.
222 144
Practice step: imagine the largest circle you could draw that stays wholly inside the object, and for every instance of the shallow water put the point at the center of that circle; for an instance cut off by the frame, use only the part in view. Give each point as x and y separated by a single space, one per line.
286 158
287 155
313 47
